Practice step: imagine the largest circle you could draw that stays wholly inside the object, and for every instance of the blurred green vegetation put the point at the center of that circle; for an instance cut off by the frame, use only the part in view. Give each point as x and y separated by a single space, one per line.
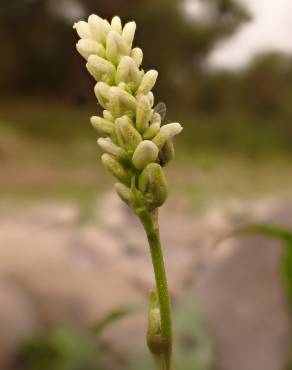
45 60
59 349
48 150
65 348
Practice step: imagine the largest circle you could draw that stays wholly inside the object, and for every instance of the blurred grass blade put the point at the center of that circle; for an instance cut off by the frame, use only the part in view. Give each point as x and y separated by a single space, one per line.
265 229
112 317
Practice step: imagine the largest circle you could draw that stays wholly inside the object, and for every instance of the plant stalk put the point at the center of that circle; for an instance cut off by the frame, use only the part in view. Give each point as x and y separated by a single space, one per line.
161 345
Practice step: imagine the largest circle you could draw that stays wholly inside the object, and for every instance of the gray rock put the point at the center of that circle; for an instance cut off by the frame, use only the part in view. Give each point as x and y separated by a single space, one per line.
245 305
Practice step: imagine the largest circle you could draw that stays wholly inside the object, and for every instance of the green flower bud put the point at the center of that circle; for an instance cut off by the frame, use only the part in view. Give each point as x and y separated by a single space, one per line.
124 192
143 113
148 81
87 47
166 132
116 47
107 115
166 154
153 185
99 28
154 326
121 102
116 168
83 30
103 126
100 69
116 24
137 55
102 93
109 147
153 128
128 137
128 72
145 153
129 33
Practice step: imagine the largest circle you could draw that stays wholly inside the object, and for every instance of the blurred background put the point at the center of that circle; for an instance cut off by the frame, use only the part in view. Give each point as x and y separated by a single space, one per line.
70 252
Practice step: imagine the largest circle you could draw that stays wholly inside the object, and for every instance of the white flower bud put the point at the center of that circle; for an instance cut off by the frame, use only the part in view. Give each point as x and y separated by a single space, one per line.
121 102
145 153
137 55
154 127
129 32
127 88
99 28
116 47
143 113
83 29
100 69
102 93
116 168
103 126
128 137
107 115
128 72
148 81
116 24
166 132
109 147
123 86
88 47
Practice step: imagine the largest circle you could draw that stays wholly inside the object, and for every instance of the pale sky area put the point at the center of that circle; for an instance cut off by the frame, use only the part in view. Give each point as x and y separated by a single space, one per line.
270 28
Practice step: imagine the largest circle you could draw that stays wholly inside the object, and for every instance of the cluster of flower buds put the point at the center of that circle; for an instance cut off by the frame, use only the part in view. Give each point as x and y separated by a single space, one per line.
135 143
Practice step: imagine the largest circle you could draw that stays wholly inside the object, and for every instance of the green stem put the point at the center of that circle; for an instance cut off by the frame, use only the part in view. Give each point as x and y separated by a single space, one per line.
150 223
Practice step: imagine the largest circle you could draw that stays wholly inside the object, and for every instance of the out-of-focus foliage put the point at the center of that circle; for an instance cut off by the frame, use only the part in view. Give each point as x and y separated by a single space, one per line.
266 85
177 44
262 88
38 42
38 49
257 97
38 55
63 348
60 349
